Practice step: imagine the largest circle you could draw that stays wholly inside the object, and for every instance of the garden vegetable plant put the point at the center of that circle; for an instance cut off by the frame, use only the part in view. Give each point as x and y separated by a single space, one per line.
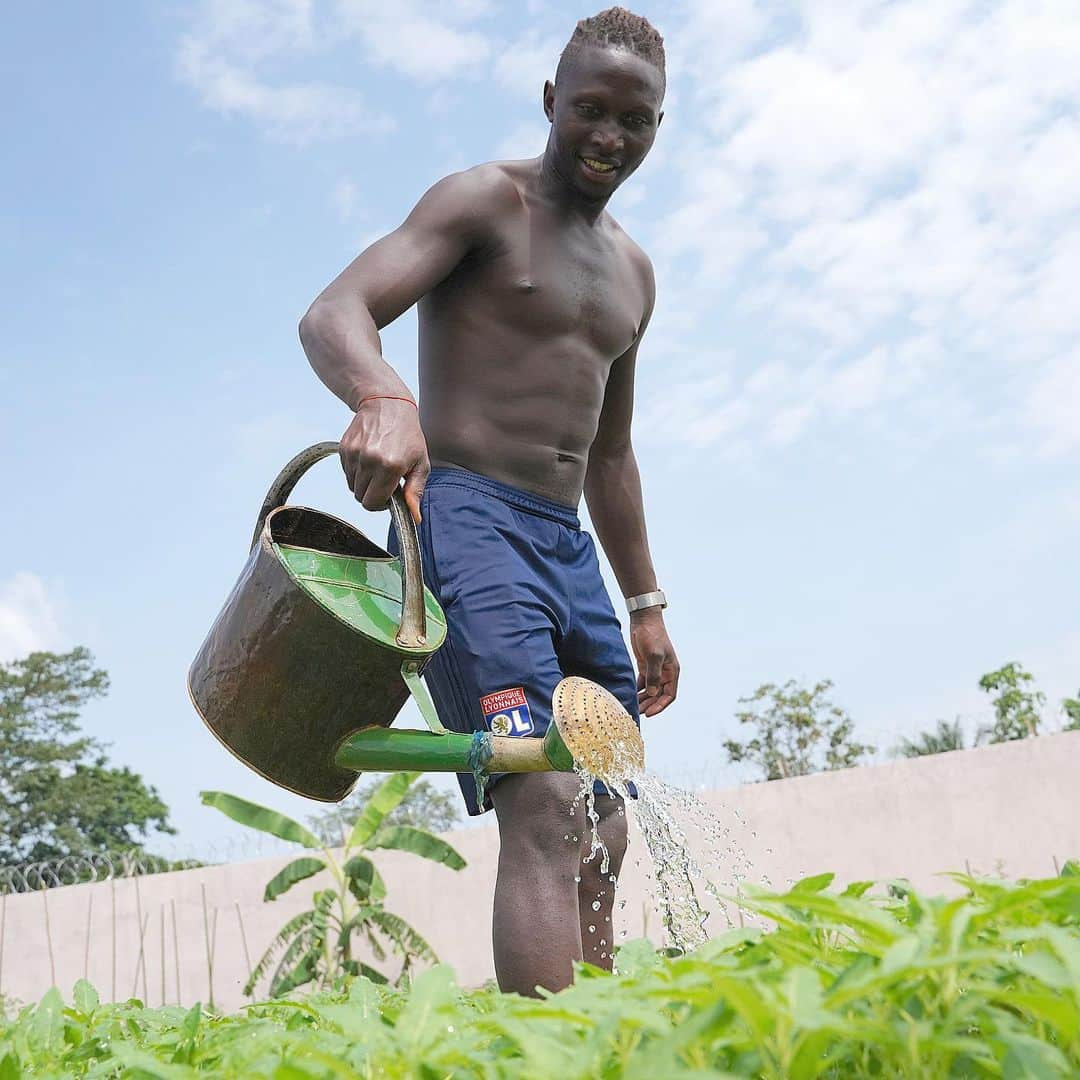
849 983
317 945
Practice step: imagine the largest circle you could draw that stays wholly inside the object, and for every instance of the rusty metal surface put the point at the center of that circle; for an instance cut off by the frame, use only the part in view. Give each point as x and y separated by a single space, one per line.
282 678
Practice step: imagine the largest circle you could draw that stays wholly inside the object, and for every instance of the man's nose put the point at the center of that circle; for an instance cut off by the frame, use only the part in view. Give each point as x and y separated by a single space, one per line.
608 138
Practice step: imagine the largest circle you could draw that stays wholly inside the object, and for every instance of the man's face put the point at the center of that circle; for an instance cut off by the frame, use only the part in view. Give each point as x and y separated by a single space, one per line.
604 113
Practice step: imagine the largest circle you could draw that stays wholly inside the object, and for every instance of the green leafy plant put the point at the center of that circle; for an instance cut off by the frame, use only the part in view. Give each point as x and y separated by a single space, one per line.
1071 708
317 945
1017 709
945 738
798 731
845 984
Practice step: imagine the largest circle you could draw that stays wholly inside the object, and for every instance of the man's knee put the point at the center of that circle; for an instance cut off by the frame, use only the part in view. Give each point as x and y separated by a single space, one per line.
612 830
537 814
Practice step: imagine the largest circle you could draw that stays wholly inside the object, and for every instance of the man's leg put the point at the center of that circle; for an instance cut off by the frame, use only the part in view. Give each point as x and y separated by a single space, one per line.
597 923
537 930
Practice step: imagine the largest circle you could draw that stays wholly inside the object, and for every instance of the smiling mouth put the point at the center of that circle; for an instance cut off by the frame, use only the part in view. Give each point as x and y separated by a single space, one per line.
597 166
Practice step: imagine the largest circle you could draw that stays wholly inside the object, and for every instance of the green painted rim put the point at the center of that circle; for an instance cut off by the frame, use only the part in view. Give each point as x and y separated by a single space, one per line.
362 593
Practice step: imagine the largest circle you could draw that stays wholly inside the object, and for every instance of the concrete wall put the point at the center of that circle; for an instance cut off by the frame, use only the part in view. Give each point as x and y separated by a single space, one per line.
1012 810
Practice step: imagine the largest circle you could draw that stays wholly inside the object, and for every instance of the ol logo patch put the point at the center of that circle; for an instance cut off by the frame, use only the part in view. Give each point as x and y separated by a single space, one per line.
506 712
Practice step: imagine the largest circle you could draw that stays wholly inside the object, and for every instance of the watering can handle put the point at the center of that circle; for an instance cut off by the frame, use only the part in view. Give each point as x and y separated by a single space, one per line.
413 628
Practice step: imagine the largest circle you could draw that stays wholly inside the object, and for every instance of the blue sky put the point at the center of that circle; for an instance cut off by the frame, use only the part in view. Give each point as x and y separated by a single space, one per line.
858 401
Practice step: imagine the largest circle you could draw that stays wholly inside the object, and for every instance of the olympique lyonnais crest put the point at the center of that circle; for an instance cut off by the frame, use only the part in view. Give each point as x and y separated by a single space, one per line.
506 712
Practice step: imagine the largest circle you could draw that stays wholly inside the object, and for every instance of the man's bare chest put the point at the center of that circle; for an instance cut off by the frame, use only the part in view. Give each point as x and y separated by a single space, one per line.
542 284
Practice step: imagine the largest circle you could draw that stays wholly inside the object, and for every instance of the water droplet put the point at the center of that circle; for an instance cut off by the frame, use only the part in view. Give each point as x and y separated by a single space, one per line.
592 929
596 905
577 878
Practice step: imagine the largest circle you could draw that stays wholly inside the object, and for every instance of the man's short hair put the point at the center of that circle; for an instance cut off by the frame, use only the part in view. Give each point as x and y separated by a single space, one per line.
619 29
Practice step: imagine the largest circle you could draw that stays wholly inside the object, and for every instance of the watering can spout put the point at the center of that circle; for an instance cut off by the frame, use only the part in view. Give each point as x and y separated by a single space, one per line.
379 749
590 730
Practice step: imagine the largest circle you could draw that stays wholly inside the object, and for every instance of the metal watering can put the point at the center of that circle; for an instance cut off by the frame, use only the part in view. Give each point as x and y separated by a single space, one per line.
322 640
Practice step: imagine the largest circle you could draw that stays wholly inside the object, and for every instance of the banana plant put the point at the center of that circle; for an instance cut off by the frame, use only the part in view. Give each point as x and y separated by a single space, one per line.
316 946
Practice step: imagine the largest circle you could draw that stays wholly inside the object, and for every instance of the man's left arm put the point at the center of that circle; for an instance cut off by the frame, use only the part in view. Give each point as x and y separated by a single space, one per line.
613 495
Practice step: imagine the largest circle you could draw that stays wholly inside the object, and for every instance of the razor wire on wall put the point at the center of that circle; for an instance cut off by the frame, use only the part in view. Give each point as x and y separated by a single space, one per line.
107 865
80 869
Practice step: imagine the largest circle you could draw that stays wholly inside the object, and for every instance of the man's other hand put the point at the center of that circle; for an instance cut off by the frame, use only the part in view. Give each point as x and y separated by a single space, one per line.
383 444
658 666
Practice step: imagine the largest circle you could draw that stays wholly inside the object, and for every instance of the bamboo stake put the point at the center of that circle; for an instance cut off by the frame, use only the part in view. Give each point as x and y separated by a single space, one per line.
1057 868
209 951
213 936
3 927
112 883
243 941
89 918
176 948
162 955
48 936
140 961
142 954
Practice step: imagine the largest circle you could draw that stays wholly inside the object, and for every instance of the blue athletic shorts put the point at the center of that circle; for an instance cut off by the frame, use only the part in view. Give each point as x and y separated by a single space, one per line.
525 605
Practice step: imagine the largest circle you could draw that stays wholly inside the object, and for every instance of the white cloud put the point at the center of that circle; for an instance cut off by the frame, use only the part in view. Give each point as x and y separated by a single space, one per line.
221 57
232 43
1053 405
525 141
418 38
345 199
29 618
524 65
878 185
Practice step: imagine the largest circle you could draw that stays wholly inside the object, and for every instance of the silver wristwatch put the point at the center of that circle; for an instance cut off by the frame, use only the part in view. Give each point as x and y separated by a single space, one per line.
649 599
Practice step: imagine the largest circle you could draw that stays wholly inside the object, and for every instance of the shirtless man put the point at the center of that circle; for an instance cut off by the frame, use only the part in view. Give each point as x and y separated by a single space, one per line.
532 305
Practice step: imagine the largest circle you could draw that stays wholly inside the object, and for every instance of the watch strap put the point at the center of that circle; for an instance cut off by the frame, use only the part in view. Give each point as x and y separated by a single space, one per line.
644 600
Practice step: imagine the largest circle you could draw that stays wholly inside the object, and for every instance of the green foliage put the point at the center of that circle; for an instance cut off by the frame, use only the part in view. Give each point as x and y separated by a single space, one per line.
947 737
425 806
58 794
1071 708
1017 710
799 731
848 984
317 945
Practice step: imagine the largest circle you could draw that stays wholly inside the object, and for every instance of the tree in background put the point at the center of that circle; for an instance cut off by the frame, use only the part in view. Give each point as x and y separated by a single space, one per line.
799 731
423 806
1071 708
946 737
1017 709
58 794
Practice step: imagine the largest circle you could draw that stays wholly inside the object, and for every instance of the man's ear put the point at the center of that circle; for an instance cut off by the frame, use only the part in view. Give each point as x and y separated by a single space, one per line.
549 101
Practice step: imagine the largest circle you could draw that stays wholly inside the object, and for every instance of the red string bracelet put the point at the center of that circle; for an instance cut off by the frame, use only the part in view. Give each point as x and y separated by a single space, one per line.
386 397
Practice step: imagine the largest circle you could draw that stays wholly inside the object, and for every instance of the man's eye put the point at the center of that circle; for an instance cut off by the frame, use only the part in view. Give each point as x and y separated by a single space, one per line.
588 110
637 121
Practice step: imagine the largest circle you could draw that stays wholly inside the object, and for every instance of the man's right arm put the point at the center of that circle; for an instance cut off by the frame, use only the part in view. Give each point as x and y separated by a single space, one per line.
340 335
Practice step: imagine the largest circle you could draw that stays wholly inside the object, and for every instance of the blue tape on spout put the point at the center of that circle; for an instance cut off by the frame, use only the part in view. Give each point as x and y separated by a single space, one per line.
481 751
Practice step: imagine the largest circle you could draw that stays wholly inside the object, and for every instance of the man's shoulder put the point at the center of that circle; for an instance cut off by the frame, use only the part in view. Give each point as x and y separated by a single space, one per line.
487 185
634 254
